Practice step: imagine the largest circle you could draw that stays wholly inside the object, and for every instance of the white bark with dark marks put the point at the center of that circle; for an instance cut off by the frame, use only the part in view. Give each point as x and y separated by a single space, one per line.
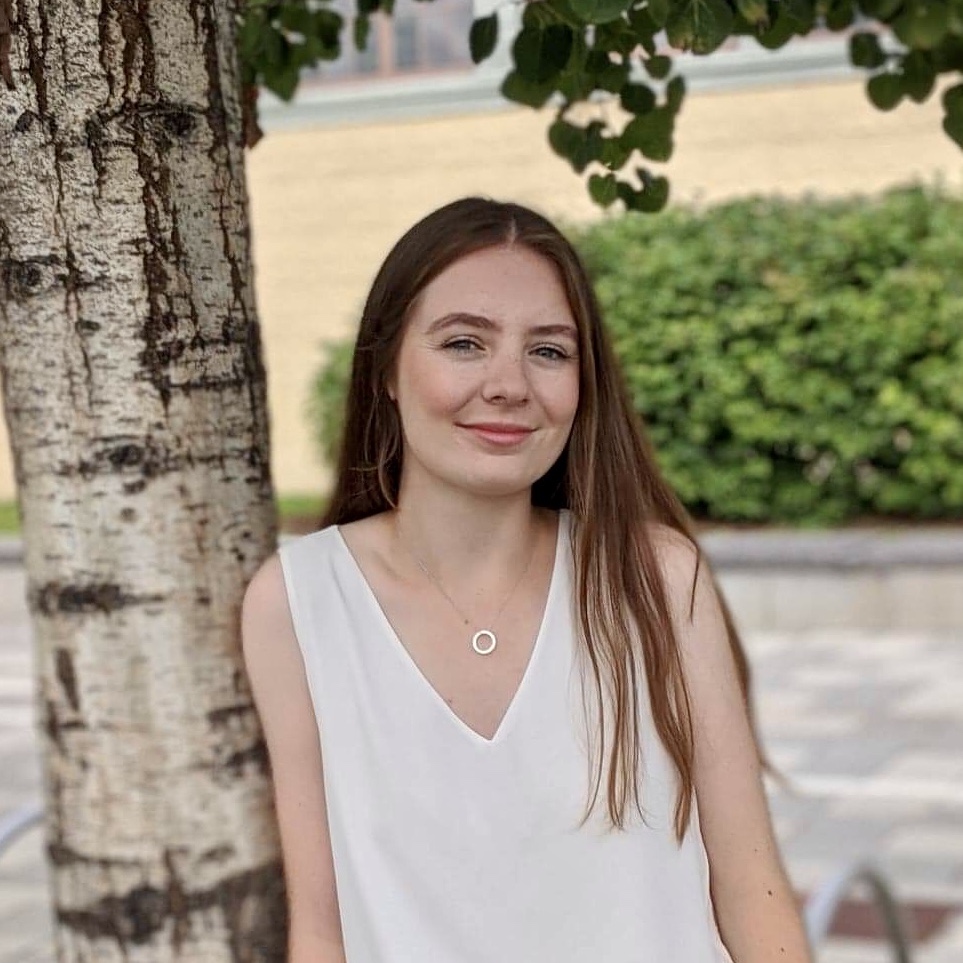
135 398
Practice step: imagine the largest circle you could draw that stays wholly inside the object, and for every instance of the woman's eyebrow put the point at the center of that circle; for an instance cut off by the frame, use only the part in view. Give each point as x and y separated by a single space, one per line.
461 317
565 329
488 324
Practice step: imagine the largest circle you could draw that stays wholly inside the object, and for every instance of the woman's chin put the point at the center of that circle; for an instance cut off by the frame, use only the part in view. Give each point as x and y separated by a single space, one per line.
495 486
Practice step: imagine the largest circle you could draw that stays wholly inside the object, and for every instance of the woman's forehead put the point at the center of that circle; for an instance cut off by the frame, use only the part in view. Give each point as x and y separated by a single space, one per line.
500 283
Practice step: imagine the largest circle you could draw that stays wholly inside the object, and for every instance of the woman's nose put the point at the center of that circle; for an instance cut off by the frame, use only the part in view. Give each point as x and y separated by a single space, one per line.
506 378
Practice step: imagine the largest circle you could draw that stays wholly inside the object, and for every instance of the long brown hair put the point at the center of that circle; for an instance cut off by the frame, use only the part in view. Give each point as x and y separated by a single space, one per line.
606 476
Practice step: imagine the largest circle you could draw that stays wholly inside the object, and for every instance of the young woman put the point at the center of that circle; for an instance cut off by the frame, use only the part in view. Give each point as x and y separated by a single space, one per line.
505 705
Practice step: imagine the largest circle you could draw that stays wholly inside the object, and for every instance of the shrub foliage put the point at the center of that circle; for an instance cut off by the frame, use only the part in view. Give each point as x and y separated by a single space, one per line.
793 361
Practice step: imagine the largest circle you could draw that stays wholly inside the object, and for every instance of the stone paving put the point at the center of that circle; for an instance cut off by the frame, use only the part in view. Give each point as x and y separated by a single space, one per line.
868 726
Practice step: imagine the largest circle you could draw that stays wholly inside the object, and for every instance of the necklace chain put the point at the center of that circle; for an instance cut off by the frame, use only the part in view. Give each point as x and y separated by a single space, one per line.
489 633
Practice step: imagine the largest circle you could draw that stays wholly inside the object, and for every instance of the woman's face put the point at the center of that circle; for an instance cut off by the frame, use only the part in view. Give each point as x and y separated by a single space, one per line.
487 375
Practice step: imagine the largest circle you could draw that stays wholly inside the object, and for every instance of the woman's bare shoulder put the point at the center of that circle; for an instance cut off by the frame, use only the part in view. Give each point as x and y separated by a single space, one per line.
676 550
268 640
265 594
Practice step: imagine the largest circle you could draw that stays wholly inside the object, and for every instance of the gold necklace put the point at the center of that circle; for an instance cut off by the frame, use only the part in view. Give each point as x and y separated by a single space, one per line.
488 634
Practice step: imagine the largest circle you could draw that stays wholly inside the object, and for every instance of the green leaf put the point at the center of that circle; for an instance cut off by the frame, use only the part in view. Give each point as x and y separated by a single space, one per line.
779 34
614 153
919 75
865 51
885 90
651 199
604 189
955 17
802 13
521 90
755 12
606 73
274 48
250 38
953 125
483 37
563 12
626 194
953 99
590 149
575 83
362 26
839 14
295 17
637 98
699 25
923 24
282 80
651 134
675 94
565 138
616 36
880 9
953 105
658 10
539 15
655 193
599 11
645 28
368 6
948 56
327 26
541 54
658 67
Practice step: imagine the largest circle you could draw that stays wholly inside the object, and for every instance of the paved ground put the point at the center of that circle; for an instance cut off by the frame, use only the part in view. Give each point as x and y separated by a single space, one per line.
868 725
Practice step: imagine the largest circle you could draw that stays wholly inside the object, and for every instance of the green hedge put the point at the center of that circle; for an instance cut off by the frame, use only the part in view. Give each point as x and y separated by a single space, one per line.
794 361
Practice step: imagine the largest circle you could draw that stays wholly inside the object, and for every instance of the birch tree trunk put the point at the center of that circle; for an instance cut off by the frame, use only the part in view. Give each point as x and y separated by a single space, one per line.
135 399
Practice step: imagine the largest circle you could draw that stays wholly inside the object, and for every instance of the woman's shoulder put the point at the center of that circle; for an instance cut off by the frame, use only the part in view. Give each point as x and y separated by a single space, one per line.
307 546
264 608
674 548
268 587
681 564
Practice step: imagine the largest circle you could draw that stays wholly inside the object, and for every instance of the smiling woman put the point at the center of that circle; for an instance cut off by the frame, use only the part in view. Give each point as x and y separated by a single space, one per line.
476 372
504 607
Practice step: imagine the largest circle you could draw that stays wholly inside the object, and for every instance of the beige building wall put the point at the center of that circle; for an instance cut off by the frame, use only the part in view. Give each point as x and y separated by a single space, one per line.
327 203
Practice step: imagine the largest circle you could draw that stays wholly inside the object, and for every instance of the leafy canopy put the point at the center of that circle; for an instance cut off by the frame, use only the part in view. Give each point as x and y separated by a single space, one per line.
569 52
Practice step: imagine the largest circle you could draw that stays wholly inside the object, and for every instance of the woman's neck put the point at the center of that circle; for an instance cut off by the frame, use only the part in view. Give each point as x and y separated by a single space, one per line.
466 539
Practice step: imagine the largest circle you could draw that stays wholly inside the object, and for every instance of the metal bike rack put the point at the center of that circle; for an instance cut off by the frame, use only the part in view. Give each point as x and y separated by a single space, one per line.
16 823
822 906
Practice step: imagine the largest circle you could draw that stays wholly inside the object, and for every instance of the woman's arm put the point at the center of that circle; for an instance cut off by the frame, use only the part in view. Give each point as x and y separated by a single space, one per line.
280 689
754 903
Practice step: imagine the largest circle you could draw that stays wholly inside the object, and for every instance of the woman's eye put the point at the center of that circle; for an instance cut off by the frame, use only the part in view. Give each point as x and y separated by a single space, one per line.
553 353
460 345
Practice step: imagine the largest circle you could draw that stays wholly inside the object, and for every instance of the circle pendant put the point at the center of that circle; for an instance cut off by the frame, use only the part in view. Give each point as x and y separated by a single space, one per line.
480 649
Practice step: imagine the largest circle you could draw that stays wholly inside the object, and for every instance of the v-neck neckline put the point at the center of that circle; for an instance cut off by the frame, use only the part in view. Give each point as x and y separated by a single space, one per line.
434 694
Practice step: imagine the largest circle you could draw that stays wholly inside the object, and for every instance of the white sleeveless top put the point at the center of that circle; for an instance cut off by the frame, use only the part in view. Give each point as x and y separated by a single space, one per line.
450 848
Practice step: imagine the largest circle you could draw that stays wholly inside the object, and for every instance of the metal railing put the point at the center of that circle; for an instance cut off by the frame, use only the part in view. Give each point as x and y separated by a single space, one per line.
16 823
821 908
818 914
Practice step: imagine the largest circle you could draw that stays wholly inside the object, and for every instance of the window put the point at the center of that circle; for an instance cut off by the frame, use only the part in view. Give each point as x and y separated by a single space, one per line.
418 38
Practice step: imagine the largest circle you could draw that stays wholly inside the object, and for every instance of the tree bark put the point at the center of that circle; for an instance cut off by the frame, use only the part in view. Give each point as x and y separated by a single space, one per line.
135 397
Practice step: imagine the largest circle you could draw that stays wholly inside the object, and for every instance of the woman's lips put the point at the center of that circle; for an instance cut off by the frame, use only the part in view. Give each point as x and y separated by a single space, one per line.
502 436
